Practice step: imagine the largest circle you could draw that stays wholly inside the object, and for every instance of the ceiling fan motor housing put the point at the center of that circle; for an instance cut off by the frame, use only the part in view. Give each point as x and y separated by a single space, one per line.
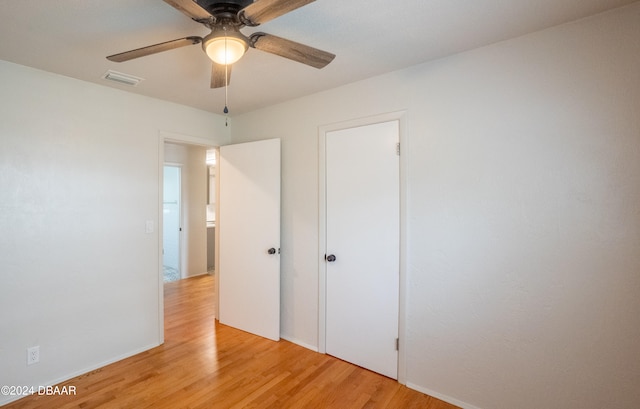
222 8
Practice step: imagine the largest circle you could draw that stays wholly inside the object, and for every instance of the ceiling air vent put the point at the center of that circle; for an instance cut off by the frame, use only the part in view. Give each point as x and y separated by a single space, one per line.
121 78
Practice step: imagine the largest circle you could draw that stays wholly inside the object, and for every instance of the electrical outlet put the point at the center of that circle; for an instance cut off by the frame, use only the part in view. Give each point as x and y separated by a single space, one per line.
33 355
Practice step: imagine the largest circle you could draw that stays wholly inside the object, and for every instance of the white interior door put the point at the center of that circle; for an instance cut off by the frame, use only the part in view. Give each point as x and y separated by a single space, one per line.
363 245
249 224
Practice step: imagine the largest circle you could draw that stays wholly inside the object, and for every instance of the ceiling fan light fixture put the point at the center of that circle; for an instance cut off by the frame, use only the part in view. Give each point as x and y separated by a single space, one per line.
224 47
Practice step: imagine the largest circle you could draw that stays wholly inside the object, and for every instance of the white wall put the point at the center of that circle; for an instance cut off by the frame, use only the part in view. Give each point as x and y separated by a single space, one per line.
194 204
79 177
524 228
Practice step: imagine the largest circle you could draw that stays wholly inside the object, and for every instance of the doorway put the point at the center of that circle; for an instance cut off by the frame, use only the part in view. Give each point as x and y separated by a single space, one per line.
171 225
361 244
187 153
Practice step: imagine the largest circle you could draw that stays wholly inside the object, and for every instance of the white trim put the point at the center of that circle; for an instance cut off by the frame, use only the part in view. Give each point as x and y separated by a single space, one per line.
442 397
185 139
322 240
399 116
298 342
216 259
199 274
83 371
160 225
404 246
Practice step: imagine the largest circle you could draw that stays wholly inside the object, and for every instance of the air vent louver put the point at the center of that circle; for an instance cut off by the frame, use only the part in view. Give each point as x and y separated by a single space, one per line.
120 78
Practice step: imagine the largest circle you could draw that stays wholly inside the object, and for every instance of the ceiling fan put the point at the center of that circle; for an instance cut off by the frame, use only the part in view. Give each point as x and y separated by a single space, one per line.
226 44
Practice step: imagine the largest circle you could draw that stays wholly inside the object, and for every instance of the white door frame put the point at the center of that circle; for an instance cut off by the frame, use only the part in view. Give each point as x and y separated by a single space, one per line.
400 116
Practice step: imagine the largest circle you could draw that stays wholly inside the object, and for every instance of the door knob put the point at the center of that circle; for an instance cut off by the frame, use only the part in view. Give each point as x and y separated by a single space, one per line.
331 258
271 251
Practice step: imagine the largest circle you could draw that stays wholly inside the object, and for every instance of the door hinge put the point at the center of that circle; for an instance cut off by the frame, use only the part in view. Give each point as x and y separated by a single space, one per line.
397 344
398 148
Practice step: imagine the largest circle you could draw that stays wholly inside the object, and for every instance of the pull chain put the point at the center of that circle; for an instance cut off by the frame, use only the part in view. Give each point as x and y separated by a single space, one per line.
226 82
226 88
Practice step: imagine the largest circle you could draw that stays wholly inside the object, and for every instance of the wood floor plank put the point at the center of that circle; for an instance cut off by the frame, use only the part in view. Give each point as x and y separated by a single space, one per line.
204 364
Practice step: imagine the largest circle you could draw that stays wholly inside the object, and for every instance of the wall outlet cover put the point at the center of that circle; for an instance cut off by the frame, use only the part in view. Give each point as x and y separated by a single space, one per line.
33 355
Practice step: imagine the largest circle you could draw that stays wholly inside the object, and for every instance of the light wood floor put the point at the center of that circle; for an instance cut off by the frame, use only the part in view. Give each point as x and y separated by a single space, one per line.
204 364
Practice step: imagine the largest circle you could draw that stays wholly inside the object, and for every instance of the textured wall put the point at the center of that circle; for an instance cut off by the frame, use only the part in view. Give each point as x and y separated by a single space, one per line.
523 224
79 179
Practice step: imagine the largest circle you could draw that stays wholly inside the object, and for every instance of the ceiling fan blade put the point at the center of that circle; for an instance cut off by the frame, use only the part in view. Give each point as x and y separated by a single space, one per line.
153 49
262 11
190 8
218 73
291 50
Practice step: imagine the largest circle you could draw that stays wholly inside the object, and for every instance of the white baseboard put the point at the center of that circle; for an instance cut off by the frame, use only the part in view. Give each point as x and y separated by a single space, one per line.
410 385
298 342
198 274
440 396
8 399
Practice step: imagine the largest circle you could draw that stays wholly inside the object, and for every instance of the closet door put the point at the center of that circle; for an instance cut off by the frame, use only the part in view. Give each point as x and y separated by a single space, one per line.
363 245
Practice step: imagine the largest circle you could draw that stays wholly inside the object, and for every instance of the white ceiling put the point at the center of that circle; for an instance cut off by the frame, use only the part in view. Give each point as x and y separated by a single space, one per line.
369 37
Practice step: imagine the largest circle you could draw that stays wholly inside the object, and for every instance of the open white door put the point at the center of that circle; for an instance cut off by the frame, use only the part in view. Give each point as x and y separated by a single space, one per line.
249 224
